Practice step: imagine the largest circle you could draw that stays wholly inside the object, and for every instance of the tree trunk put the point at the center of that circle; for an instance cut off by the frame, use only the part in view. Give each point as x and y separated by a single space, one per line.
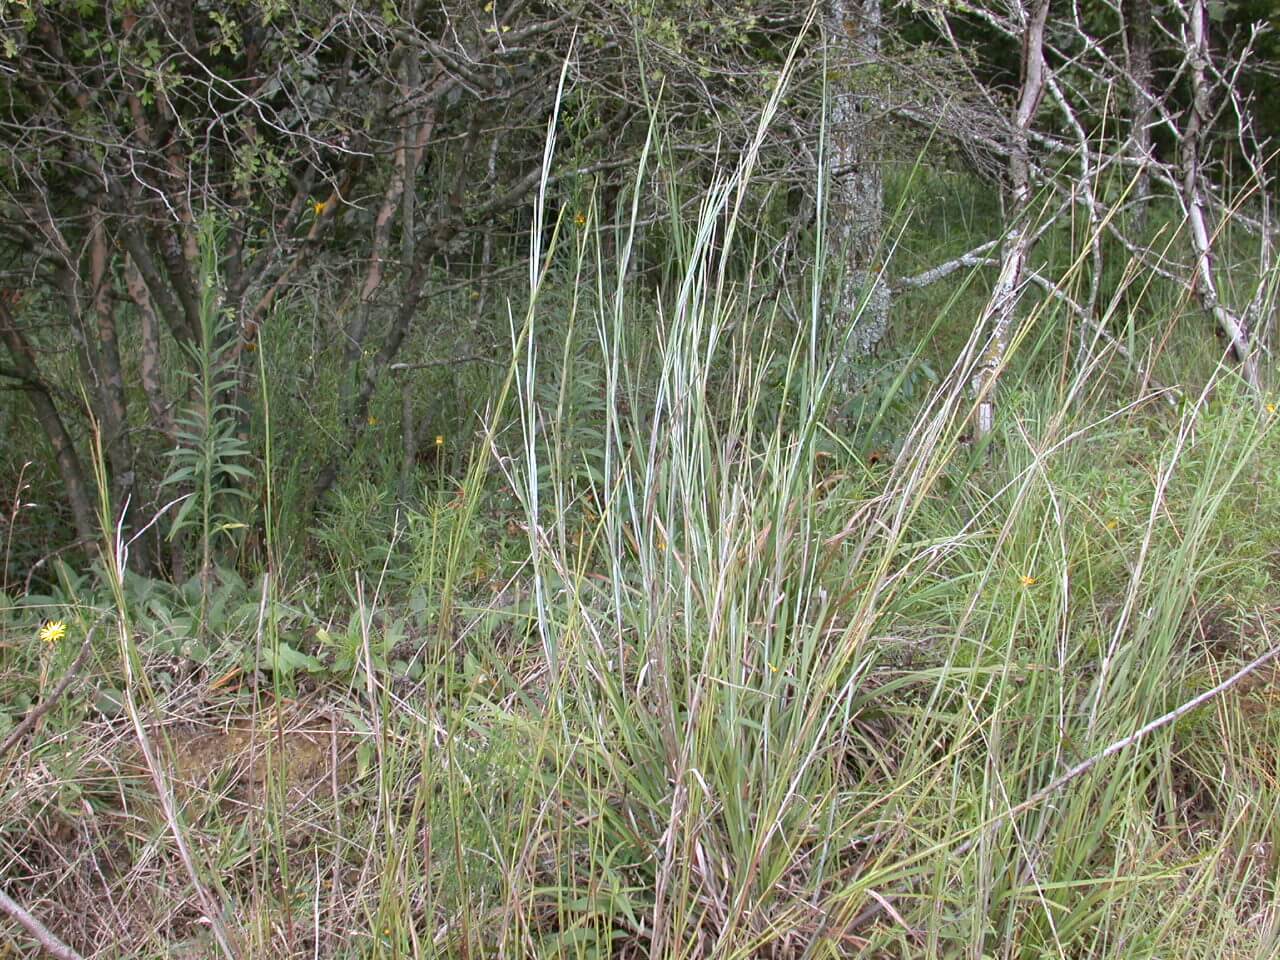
1001 307
149 365
113 413
1137 37
70 470
856 191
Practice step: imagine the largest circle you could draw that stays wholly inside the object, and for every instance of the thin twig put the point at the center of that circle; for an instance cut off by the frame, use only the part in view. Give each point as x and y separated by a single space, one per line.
43 934
973 259
1172 395
35 567
443 363
38 711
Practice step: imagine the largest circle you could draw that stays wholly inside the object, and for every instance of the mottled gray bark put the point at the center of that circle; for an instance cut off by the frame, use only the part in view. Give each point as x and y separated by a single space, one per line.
856 195
1002 306
1137 37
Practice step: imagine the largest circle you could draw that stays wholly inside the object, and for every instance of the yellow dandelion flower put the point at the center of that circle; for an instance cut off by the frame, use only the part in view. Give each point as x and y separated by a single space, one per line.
1271 408
1027 581
52 631
439 440
580 220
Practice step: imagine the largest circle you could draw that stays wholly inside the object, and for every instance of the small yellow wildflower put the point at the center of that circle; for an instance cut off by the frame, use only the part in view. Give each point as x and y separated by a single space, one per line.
319 207
1027 581
580 220
52 631
439 440
373 421
1271 408
773 668
1112 524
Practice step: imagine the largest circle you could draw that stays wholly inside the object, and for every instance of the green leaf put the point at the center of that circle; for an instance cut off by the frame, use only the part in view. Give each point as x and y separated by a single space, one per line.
285 660
109 702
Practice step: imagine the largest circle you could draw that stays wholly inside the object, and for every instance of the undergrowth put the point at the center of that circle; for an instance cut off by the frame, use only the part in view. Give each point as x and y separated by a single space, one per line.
681 652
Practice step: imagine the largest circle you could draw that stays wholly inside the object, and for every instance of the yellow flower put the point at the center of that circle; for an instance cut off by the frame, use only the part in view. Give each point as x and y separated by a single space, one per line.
1027 581
1271 408
773 668
439 441
373 421
488 8
580 220
319 207
1112 524
52 631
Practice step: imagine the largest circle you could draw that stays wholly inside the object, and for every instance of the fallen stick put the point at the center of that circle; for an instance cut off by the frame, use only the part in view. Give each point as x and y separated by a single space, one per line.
873 910
1084 766
47 938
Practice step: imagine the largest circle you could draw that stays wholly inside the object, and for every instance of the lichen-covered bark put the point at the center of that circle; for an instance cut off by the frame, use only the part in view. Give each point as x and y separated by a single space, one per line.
1002 305
856 195
1137 36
